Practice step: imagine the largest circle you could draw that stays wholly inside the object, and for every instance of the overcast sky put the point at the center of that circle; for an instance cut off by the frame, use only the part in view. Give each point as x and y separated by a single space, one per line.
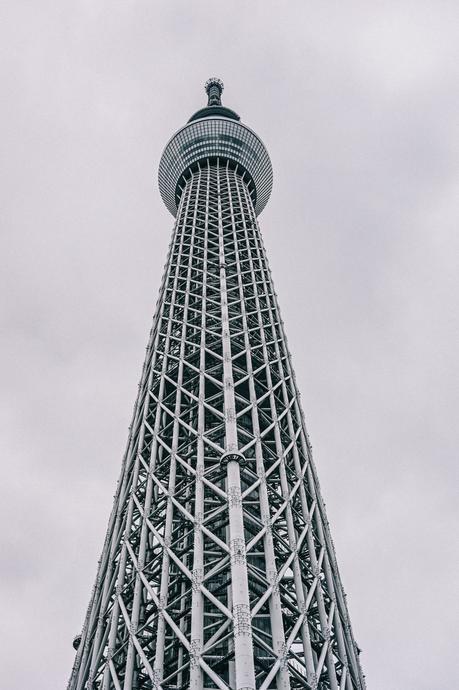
358 105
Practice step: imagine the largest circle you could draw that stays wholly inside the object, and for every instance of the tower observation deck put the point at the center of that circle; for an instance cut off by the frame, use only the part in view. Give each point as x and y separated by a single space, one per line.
215 133
218 569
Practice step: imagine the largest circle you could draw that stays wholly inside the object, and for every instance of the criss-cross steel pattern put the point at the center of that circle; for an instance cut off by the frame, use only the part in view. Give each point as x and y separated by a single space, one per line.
218 569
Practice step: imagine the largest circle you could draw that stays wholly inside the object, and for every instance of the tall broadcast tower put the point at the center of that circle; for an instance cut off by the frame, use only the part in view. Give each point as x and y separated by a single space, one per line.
218 569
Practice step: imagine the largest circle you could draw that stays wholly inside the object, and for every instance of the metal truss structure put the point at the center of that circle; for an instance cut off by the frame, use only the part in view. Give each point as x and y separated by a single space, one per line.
218 568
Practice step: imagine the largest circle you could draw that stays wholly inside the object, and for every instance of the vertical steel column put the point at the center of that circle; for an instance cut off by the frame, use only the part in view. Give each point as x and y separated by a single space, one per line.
197 604
275 605
243 648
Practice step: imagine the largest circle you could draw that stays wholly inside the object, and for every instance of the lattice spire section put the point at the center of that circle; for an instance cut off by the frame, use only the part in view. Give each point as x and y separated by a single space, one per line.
218 569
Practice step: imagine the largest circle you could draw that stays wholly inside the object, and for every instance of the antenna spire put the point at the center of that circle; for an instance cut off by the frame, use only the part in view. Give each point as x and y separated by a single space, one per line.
214 88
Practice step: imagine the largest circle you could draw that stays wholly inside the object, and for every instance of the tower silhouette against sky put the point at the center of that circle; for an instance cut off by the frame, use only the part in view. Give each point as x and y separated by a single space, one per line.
218 569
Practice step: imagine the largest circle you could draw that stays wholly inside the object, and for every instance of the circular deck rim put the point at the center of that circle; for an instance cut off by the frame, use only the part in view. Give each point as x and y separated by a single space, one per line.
250 153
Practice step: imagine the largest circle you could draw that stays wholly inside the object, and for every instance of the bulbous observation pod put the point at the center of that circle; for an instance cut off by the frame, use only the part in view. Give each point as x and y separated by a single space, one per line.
215 132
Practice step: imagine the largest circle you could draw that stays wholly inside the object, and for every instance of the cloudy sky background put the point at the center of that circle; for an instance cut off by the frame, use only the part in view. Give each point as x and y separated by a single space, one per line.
358 105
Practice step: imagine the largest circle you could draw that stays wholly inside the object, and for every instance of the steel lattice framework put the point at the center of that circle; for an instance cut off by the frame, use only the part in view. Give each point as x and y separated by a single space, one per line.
218 568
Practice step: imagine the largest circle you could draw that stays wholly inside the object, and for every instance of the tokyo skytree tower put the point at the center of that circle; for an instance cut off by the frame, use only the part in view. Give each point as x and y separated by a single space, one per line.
218 569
